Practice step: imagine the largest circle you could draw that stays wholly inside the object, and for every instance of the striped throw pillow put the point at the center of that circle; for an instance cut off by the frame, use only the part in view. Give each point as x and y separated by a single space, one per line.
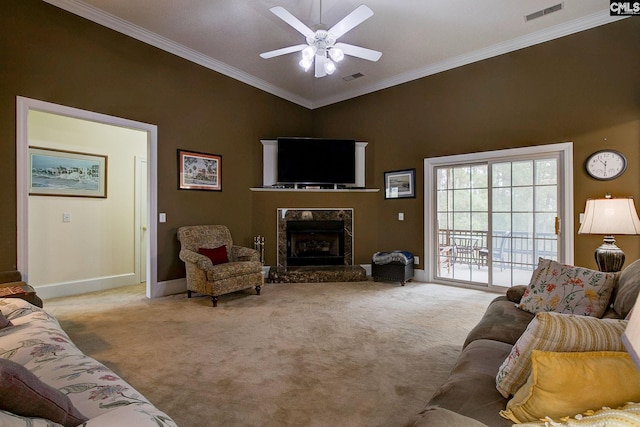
550 331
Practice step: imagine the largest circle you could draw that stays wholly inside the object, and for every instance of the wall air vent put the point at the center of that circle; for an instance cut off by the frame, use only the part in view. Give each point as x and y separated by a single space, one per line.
352 77
544 12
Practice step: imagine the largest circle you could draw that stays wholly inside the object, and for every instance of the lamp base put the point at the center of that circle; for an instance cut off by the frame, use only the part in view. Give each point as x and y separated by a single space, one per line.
609 257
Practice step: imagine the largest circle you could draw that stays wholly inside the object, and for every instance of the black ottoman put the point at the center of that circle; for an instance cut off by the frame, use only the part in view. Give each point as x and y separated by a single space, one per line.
396 266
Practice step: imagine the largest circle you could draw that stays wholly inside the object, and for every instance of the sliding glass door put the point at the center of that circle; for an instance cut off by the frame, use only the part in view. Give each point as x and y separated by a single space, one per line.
493 219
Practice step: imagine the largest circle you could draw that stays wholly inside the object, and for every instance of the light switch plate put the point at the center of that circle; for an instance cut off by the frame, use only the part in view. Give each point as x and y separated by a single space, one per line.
400 216
162 217
66 217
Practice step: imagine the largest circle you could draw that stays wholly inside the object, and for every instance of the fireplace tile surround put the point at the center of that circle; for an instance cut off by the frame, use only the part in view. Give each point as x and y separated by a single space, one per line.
314 214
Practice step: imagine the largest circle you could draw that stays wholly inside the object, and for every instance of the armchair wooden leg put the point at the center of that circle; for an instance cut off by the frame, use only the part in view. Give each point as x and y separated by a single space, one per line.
188 294
214 300
258 289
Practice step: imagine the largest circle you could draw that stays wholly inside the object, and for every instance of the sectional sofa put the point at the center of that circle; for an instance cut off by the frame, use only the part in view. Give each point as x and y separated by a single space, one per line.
533 325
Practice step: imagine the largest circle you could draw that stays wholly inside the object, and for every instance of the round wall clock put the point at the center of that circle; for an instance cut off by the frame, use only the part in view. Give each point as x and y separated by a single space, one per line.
606 164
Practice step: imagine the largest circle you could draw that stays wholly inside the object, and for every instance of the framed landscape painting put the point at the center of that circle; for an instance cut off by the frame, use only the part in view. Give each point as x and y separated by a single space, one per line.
199 171
67 173
400 184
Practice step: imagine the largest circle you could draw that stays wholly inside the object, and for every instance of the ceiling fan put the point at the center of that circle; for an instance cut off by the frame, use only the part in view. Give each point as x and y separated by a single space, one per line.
321 46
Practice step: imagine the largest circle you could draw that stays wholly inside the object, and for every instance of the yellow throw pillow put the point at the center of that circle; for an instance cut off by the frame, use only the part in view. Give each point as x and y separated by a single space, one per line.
571 383
557 332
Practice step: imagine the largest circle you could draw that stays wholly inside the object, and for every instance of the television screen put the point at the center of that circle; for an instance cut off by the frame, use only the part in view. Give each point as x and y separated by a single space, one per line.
316 161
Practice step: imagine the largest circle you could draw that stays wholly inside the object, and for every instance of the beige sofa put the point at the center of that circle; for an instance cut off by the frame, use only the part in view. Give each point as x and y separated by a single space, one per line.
469 396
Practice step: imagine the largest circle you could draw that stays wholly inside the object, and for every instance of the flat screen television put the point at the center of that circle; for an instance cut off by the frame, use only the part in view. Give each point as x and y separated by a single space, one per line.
316 161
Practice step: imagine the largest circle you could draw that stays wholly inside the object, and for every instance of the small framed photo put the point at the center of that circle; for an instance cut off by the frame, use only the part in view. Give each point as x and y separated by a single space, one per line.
67 173
400 184
199 171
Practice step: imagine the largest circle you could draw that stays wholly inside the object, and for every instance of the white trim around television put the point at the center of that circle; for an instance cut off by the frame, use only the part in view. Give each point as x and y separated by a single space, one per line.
270 163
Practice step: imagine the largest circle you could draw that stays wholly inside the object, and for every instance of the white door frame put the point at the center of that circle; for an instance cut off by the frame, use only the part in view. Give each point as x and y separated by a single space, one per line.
23 106
565 205
140 220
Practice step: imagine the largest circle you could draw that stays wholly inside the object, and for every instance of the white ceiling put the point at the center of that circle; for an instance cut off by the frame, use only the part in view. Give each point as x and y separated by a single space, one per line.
417 37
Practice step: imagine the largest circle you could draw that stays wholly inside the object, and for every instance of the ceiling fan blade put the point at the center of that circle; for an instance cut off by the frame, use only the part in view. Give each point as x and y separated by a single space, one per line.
359 52
283 51
358 16
287 17
320 72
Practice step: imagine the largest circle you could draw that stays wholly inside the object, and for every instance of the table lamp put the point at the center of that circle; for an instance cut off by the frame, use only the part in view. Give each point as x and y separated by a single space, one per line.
610 216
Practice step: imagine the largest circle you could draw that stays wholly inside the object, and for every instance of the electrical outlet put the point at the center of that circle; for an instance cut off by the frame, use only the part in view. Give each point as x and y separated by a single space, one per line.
66 217
416 259
400 216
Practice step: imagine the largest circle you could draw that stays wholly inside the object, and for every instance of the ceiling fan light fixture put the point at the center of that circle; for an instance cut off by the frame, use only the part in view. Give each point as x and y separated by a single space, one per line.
336 54
329 66
306 63
309 52
322 46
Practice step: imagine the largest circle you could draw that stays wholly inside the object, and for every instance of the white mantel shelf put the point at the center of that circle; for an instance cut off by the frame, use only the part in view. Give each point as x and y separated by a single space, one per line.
318 190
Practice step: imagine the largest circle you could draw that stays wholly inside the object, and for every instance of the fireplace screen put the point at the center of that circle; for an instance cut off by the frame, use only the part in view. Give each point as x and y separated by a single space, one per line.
315 243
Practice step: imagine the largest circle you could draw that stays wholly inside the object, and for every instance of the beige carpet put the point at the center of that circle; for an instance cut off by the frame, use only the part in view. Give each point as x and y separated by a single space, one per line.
326 354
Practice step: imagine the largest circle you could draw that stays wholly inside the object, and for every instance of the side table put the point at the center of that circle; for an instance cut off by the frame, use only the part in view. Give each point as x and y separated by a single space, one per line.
21 290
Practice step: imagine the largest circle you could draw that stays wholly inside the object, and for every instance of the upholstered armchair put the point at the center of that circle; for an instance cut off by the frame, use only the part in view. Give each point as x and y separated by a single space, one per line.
214 265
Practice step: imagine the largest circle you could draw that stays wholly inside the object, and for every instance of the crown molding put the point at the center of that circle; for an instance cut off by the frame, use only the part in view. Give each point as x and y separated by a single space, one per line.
127 28
548 34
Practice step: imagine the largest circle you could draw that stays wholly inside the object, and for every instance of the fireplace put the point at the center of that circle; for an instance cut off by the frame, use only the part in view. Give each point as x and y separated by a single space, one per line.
315 237
315 243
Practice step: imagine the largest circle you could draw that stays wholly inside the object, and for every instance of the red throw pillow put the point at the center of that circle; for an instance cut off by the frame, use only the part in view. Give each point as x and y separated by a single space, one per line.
216 255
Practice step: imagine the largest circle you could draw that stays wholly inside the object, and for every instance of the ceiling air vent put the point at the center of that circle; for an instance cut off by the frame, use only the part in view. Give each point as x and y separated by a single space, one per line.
543 12
352 77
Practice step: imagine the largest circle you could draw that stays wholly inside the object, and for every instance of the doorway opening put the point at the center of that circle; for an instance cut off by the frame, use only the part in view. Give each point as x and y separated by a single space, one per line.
25 107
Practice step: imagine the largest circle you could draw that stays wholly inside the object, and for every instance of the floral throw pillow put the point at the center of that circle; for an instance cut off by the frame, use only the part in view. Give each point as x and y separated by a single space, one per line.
567 289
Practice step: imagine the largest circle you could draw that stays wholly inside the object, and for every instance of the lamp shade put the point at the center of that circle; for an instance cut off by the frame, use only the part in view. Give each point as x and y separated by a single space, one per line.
610 216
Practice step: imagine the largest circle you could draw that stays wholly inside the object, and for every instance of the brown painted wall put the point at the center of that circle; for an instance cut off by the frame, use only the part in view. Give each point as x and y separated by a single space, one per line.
52 55
581 88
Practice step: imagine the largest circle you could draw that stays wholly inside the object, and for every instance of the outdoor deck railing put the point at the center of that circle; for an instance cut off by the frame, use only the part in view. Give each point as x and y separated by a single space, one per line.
518 249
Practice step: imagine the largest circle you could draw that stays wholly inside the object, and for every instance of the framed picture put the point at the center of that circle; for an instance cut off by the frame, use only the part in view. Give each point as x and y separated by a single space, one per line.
67 173
400 184
199 171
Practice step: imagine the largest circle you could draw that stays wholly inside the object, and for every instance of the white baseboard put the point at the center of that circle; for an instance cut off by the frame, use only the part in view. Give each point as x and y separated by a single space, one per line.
168 287
419 275
367 269
63 289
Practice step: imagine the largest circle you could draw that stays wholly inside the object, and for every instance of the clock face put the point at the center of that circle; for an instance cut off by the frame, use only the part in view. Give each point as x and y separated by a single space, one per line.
606 164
